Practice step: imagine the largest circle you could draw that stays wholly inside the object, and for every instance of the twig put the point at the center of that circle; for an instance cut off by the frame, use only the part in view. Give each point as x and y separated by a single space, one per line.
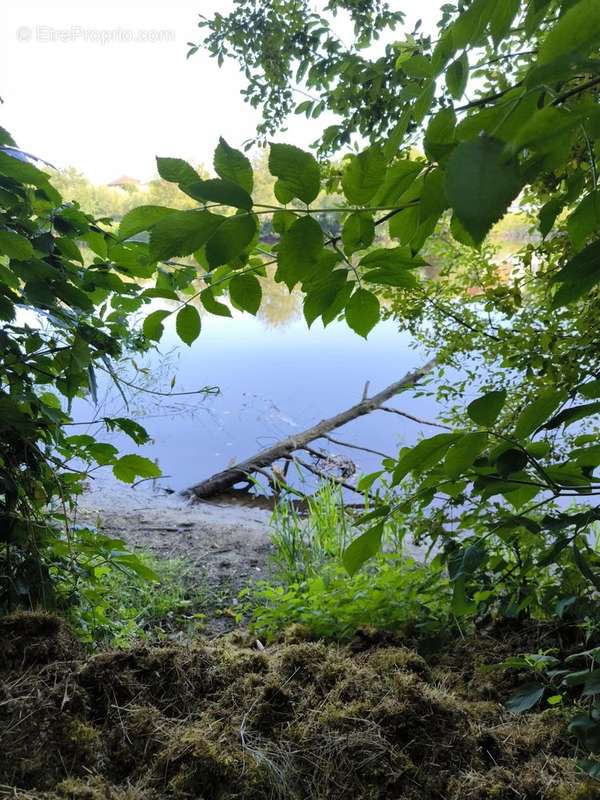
325 476
354 446
391 410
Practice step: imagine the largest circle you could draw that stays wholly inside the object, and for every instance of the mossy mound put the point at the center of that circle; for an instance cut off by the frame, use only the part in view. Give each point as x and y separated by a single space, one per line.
34 638
371 720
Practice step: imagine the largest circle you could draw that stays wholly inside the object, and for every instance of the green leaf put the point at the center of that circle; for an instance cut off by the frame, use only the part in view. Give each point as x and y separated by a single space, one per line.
570 415
282 220
399 177
586 456
590 390
537 412
153 327
362 312
578 276
457 76
439 140
23 172
15 246
325 295
583 565
363 175
433 197
245 292
470 25
176 170
481 184
298 172
502 18
549 212
96 242
130 467
390 276
358 232
592 684
587 730
299 251
69 249
463 453
231 239
140 219
461 605
525 697
181 233
222 191
233 165
577 31
486 409
510 461
137 566
392 257
133 429
417 67
427 453
7 309
187 324
585 220
423 102
212 305
541 130
361 549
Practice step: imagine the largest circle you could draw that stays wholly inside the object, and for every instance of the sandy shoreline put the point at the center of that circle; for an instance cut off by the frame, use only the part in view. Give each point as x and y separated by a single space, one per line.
223 542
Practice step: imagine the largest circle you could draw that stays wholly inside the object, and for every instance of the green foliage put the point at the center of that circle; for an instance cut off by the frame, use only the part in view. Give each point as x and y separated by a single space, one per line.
232 165
480 184
297 172
115 605
362 311
188 324
311 585
493 492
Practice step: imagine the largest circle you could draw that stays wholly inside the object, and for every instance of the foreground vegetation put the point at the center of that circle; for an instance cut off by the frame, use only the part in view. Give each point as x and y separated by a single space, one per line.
301 719
498 106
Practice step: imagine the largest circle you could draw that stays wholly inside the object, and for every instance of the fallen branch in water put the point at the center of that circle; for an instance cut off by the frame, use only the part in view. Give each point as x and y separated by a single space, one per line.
227 478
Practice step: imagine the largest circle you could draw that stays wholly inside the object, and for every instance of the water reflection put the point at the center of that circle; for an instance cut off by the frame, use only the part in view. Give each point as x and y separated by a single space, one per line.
275 377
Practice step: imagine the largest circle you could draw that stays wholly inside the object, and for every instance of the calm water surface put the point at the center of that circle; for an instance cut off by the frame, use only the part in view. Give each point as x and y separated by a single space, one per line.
274 380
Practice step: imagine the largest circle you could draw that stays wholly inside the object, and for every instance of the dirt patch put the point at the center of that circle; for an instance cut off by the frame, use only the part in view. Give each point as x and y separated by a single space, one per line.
227 544
224 720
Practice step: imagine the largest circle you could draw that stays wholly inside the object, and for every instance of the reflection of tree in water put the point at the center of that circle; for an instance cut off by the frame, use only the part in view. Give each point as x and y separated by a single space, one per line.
278 307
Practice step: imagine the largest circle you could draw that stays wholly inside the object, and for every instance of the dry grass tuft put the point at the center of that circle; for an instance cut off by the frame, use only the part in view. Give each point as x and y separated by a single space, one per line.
225 721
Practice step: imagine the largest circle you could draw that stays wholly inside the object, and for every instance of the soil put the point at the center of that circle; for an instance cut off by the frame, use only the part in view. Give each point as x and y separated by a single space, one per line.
231 720
225 541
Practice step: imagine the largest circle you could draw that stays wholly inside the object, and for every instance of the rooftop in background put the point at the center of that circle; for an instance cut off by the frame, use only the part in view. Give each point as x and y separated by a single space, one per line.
125 180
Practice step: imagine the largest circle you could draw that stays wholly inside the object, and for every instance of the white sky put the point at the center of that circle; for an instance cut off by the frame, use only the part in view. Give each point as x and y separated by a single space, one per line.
120 103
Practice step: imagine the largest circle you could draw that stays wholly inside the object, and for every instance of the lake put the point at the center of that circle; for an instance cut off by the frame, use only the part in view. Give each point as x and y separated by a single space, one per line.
275 378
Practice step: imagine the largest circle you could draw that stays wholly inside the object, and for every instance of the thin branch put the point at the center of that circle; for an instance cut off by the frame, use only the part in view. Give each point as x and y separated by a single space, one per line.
490 98
204 390
354 446
577 90
413 418
319 473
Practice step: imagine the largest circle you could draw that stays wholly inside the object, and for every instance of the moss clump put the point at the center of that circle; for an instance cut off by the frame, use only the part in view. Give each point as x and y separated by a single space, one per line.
371 720
34 639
